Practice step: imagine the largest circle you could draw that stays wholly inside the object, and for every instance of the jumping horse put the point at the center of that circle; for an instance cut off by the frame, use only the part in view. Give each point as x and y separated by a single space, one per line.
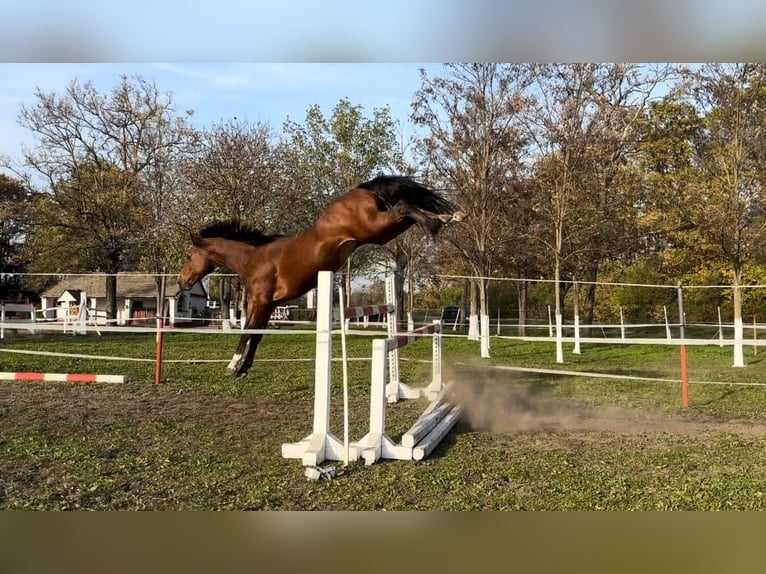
275 268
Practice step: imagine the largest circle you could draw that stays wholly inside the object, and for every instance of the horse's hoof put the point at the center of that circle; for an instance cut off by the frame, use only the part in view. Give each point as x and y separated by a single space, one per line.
232 372
458 216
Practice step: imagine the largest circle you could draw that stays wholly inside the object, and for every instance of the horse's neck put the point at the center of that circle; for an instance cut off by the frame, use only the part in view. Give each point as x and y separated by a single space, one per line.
230 254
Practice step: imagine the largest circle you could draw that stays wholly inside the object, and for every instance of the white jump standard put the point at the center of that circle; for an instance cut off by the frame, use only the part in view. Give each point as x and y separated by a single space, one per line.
425 434
432 426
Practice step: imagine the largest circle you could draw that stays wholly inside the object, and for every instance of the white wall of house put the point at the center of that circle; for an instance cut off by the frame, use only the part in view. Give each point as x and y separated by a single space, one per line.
181 308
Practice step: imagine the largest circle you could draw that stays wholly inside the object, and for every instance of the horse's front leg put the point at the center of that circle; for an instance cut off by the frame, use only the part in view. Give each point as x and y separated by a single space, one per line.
257 318
243 348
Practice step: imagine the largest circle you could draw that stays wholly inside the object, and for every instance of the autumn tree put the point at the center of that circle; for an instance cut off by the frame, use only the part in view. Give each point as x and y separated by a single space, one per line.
585 128
724 203
16 202
236 172
89 223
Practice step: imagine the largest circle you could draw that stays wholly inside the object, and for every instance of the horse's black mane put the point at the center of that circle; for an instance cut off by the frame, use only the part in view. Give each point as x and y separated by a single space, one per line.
389 189
237 231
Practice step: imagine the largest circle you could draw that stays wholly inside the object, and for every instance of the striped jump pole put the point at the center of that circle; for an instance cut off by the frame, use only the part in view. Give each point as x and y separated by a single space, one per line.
62 377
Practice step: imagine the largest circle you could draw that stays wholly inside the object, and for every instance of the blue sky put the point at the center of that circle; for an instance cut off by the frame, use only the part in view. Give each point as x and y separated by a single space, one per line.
390 31
258 92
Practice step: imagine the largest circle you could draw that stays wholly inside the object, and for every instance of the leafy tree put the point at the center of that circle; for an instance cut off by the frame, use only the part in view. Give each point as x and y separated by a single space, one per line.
89 223
15 218
326 157
585 128
724 205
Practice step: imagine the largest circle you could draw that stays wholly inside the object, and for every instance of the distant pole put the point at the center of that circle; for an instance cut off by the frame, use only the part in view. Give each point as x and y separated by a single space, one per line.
550 322
667 325
622 324
684 369
755 336
720 328
160 325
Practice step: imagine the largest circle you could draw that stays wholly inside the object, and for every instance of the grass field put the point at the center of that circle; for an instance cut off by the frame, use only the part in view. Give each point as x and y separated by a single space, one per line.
201 440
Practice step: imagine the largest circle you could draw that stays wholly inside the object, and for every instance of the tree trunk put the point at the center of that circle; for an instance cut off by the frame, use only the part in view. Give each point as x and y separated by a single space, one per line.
576 295
464 305
484 318
591 275
111 297
473 315
225 287
559 329
522 288
739 357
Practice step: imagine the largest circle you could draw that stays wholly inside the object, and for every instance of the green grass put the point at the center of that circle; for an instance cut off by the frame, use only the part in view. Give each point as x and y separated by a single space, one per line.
534 441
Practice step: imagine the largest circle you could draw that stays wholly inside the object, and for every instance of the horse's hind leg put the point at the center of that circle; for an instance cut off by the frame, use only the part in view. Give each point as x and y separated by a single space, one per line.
433 222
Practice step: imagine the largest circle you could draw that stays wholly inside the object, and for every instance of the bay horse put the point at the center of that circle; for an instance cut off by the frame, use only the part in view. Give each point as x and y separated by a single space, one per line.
275 268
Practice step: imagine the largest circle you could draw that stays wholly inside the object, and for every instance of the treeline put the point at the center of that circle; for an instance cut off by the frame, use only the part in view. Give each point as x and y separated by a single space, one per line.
571 172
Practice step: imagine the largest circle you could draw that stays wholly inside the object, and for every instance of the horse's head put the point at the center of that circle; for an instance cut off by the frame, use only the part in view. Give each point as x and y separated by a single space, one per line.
198 264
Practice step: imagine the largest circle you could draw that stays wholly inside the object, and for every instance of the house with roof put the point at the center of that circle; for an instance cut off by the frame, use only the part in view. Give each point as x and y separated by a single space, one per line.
136 300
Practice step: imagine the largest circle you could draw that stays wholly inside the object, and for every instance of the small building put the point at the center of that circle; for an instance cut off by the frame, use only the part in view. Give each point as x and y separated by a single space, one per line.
136 300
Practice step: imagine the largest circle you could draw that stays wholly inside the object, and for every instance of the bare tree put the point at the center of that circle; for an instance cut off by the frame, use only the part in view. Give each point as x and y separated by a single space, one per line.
473 145
233 175
111 145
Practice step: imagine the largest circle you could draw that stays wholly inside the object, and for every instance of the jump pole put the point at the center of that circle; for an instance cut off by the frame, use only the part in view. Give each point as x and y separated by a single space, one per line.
344 357
85 378
321 445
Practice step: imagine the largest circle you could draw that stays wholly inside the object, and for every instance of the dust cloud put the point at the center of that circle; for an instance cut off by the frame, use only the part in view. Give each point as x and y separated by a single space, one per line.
503 402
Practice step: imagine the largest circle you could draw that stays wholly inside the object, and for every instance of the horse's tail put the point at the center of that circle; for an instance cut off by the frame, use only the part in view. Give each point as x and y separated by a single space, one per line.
390 189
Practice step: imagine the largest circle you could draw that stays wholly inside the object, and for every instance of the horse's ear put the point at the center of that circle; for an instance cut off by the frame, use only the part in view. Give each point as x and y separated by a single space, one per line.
195 239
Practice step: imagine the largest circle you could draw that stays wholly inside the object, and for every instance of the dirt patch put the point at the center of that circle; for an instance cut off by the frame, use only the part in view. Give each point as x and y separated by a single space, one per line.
102 407
491 402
